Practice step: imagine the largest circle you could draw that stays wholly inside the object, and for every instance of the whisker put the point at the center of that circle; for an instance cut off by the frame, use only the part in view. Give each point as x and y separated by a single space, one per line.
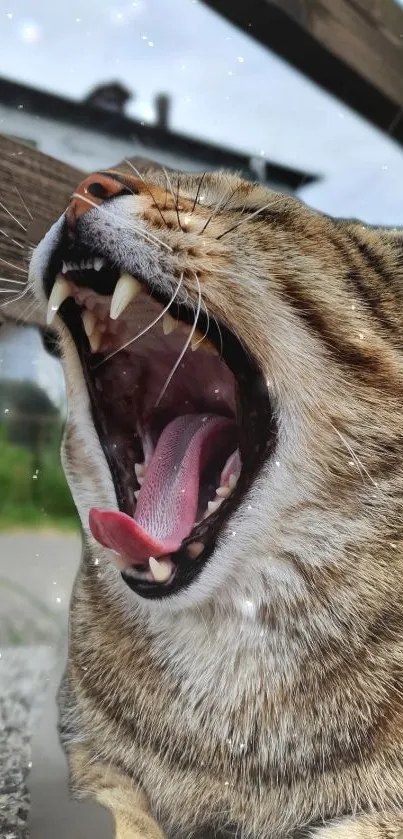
8 280
147 188
208 324
29 310
17 268
173 198
166 194
13 217
147 235
3 232
200 341
30 307
23 202
355 457
220 206
198 191
147 328
14 299
220 334
190 336
244 220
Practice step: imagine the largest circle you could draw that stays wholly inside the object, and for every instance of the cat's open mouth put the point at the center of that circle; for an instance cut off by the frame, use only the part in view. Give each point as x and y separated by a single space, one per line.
182 413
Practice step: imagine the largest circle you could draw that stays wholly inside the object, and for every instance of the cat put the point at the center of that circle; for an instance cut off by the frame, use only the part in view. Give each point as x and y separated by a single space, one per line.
234 370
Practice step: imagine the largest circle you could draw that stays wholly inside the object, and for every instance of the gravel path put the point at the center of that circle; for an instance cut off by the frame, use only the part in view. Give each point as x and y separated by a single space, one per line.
24 672
37 570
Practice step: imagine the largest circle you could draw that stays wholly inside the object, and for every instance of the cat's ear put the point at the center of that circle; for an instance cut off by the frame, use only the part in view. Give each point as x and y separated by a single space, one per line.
34 191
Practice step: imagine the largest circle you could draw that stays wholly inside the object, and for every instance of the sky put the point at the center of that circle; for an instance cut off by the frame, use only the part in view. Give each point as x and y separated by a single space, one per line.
224 86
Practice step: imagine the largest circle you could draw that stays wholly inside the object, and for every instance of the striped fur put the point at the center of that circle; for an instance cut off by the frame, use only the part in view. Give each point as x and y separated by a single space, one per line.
267 699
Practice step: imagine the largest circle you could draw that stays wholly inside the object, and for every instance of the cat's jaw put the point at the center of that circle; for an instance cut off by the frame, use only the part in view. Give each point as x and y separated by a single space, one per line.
98 307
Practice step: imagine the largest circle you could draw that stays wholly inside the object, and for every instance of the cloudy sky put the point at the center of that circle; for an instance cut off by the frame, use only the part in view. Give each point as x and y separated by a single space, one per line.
224 87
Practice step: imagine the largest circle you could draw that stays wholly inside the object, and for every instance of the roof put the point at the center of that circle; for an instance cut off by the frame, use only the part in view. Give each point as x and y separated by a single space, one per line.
351 48
118 125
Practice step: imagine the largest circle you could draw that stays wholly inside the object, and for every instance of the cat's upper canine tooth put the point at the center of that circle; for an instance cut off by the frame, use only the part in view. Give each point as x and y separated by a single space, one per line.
200 341
168 324
126 289
60 291
197 340
161 569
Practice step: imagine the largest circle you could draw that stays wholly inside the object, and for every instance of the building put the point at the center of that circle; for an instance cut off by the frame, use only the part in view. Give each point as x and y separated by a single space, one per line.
96 133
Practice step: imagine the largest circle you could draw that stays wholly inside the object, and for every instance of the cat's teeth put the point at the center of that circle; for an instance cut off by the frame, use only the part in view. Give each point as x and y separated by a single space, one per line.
232 481
93 329
195 549
161 569
209 347
140 470
60 291
169 324
126 289
197 340
223 492
95 340
64 267
98 263
136 494
89 322
212 506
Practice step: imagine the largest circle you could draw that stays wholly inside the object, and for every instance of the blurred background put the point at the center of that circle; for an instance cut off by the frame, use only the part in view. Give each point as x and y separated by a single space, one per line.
304 95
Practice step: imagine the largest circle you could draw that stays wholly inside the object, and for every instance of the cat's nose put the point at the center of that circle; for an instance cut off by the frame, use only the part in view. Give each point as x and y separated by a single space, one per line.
92 192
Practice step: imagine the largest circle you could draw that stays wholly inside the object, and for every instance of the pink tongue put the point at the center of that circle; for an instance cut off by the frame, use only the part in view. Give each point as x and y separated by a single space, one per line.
167 505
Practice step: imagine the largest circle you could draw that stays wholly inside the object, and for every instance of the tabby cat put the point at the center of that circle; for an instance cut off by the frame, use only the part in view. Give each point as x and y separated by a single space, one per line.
234 369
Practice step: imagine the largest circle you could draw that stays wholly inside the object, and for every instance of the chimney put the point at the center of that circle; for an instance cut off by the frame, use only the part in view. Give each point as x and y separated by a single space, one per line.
111 96
162 108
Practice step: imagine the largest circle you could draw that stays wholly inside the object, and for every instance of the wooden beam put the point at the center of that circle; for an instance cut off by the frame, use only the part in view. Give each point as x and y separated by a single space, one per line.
352 48
34 191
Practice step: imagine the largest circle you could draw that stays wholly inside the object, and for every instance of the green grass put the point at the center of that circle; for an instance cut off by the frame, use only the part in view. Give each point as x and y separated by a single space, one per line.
33 489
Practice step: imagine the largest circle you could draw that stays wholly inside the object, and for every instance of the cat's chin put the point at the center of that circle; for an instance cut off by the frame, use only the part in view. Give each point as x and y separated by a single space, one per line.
181 411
